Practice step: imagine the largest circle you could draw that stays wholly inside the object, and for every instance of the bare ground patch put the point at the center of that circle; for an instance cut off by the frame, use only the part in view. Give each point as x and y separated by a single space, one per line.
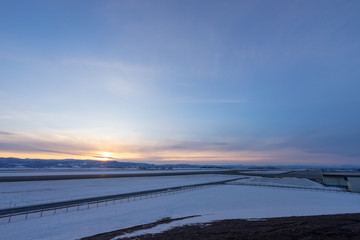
340 226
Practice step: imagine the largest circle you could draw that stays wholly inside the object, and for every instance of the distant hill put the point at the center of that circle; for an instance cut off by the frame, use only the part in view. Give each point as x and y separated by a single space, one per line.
72 163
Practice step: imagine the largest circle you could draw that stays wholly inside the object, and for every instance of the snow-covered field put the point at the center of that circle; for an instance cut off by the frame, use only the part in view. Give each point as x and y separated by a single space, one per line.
214 203
286 181
266 171
37 192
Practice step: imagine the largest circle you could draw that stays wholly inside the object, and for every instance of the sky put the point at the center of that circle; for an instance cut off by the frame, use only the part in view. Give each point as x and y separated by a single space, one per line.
212 82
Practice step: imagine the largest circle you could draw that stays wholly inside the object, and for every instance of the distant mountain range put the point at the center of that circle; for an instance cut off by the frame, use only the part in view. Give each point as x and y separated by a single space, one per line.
73 163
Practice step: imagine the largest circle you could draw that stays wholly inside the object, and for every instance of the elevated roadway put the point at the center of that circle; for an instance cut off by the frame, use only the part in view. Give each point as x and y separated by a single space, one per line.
107 175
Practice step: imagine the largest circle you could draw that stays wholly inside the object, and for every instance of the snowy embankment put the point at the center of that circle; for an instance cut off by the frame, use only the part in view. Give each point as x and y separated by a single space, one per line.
17 194
214 203
286 181
265 171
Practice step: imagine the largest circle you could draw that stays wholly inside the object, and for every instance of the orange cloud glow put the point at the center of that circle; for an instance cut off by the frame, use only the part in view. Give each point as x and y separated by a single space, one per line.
19 146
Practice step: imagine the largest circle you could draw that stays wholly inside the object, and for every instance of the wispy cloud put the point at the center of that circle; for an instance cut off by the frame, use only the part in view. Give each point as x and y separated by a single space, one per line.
117 65
104 157
118 77
20 143
239 145
345 145
30 148
215 100
6 133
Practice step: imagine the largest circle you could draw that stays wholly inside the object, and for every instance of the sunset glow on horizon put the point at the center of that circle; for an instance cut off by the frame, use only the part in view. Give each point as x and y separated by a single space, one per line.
241 82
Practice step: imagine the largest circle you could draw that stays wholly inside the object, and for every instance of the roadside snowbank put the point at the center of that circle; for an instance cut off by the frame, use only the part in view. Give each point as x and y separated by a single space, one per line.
286 181
265 171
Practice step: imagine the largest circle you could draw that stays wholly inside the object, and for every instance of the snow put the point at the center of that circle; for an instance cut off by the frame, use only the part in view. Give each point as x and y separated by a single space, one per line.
265 172
37 192
157 229
286 181
214 203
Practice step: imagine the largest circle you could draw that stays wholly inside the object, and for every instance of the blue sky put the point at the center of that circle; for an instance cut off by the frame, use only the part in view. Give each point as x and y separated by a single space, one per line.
255 82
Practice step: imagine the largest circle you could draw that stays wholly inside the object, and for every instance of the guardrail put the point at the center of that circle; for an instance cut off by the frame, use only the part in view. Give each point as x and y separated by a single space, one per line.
88 205
10 214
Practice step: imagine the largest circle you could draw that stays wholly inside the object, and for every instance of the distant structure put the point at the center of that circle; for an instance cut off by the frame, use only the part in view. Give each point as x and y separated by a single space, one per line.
349 180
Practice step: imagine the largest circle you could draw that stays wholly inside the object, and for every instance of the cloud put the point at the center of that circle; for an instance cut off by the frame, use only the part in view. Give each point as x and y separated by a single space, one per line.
24 147
6 133
308 149
104 157
213 100
118 77
214 146
116 65
21 143
339 144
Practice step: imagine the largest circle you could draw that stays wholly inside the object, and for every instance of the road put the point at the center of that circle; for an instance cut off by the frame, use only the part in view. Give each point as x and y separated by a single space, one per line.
110 175
312 174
